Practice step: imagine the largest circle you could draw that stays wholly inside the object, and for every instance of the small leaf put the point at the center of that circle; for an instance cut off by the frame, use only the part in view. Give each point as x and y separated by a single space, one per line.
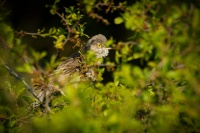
43 54
28 99
52 30
19 92
59 42
137 55
117 56
28 68
118 20
59 45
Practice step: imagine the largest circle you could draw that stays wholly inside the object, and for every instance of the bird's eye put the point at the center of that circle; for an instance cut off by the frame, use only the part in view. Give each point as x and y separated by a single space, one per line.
99 45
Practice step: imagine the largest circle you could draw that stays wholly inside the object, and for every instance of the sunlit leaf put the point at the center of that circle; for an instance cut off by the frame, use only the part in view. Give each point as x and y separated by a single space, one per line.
118 20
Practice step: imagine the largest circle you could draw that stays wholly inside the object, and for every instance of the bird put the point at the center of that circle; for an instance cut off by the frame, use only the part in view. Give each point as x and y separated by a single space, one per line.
75 65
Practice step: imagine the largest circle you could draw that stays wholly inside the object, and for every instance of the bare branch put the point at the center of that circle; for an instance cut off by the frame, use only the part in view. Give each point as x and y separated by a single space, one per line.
104 65
109 5
61 16
98 17
13 73
22 33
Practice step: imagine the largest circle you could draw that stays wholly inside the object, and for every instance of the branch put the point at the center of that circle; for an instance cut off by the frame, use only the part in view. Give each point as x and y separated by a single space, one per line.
22 33
104 65
98 17
13 73
70 30
110 6
99 65
61 16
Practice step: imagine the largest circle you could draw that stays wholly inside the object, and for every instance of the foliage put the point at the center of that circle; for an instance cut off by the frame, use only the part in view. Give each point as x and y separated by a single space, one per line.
161 96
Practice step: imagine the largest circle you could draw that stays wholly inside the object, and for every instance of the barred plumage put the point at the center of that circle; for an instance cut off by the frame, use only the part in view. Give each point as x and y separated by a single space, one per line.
74 65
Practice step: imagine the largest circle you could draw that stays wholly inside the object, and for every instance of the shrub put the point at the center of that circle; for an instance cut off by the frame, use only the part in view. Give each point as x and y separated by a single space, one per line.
155 72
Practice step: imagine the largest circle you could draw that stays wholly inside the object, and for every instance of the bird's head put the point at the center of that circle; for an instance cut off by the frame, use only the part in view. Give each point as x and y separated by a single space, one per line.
97 44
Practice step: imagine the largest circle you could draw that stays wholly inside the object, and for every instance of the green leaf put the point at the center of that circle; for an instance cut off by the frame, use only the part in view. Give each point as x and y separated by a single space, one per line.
19 92
26 67
118 20
59 42
52 30
117 56
28 99
196 18
37 55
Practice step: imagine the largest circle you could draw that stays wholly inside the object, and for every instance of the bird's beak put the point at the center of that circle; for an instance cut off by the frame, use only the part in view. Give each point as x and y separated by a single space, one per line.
108 48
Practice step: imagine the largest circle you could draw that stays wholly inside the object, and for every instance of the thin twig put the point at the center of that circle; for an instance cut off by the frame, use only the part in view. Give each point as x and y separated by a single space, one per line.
63 19
98 17
22 33
13 73
70 30
104 65
100 65
110 6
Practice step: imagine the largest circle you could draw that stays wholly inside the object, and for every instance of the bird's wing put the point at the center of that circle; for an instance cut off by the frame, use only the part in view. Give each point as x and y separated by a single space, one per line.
65 70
